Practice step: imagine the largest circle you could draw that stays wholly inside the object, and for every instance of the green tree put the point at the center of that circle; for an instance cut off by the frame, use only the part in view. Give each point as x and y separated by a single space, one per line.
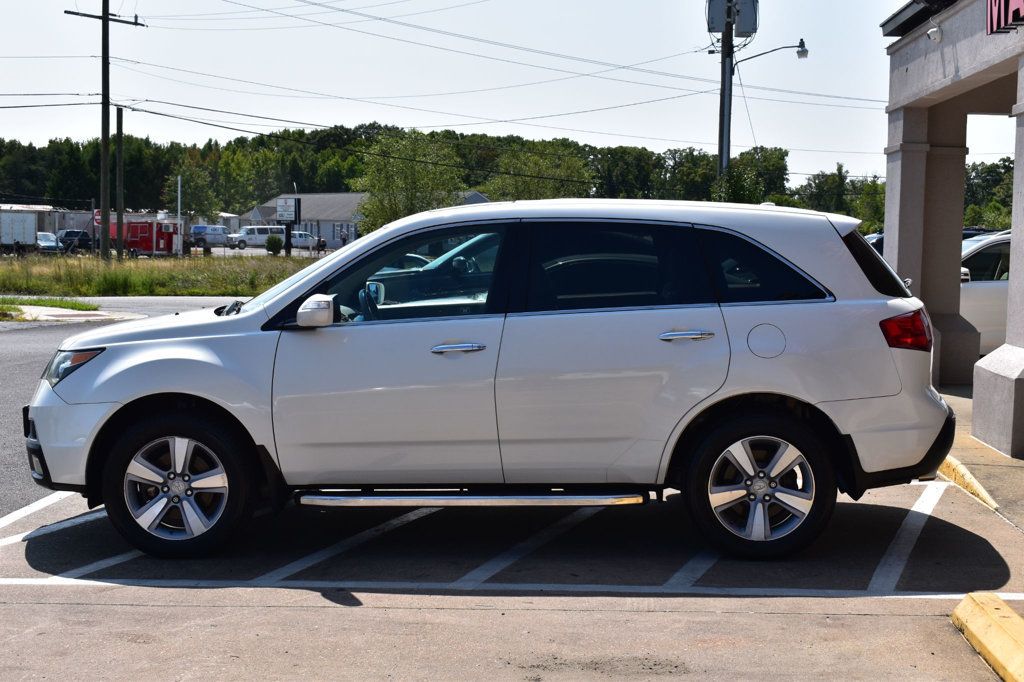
626 172
868 203
688 174
827 191
740 185
407 173
540 171
197 196
769 164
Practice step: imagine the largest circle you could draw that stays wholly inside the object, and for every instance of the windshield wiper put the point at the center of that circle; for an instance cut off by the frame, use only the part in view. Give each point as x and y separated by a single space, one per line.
234 307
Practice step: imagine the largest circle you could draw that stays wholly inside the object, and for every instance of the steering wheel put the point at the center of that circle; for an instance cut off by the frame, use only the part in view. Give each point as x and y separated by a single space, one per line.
368 305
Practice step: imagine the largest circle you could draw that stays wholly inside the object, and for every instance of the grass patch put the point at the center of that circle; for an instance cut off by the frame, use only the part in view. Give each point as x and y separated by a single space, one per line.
68 303
9 313
89 276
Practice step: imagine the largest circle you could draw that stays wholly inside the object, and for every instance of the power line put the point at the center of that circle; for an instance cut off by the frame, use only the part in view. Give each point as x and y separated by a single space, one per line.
48 104
294 26
235 11
49 94
313 93
512 46
210 16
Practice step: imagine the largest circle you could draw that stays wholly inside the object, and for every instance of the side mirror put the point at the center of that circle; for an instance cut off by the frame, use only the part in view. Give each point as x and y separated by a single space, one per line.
375 290
965 275
316 311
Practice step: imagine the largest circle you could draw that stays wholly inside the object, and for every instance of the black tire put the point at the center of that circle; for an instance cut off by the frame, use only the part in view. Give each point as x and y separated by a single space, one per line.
200 243
242 244
773 424
224 443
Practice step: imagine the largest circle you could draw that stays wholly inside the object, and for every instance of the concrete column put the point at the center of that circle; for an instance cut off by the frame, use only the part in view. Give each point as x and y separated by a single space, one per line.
999 376
906 158
924 226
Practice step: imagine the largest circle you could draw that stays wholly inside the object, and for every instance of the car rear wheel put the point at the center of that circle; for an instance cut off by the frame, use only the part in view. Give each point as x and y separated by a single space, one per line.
762 486
177 486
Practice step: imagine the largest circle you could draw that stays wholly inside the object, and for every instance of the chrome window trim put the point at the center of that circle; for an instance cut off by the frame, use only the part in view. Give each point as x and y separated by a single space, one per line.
624 309
446 318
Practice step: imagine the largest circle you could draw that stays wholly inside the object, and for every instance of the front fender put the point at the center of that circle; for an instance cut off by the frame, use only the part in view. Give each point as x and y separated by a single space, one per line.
233 371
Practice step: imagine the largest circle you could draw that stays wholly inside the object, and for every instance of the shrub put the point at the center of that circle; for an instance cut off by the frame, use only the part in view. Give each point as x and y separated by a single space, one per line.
274 244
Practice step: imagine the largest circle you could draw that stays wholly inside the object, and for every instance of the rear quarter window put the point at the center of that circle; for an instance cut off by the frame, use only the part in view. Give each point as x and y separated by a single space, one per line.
878 273
744 272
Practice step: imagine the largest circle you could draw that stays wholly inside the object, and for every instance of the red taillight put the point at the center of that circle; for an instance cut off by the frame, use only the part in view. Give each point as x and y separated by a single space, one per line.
911 331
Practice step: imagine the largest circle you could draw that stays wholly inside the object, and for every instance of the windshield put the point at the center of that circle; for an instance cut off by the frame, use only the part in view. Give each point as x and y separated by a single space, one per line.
970 243
46 238
282 286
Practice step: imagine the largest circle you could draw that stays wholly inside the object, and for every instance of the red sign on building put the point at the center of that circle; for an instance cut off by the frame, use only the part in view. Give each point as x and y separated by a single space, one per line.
1004 15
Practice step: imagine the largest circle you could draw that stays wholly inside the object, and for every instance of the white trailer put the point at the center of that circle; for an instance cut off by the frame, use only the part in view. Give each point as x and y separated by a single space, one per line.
17 229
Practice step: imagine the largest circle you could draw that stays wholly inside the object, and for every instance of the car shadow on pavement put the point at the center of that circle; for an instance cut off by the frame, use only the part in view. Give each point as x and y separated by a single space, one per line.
630 550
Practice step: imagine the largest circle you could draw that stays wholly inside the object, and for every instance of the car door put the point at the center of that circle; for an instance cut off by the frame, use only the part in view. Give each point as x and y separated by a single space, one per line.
983 299
615 336
401 389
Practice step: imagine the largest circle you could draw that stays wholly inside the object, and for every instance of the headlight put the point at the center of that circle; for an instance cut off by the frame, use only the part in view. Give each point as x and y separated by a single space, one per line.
67 361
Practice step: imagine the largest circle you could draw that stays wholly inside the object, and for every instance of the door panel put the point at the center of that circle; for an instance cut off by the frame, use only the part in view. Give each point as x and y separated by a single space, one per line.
592 397
983 304
370 403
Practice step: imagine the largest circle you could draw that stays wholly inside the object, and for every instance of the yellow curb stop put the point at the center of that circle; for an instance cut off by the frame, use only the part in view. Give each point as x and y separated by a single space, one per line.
995 631
960 475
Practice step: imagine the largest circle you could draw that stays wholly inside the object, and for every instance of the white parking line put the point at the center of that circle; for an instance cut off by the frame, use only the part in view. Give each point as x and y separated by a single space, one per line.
98 565
485 571
19 514
53 527
692 571
339 547
891 566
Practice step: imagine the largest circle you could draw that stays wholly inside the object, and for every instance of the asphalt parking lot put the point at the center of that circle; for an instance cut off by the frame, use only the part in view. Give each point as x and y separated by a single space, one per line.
544 592
524 594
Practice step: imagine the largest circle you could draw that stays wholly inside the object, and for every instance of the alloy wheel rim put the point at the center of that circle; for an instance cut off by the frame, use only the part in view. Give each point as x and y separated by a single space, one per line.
761 488
176 488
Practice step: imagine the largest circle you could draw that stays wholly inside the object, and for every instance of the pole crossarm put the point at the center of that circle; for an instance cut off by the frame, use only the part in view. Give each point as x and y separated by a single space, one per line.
113 17
761 54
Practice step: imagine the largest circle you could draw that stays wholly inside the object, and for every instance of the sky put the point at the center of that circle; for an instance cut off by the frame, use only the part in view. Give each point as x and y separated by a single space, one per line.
328 62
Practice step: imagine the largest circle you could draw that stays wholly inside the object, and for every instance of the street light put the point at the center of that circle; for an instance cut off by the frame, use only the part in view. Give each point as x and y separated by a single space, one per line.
728 71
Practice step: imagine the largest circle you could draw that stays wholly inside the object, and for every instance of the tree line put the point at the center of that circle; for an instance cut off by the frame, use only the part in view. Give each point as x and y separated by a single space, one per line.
408 171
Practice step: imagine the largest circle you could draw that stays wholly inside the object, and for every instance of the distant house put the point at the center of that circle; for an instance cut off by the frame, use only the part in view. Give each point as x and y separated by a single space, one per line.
331 215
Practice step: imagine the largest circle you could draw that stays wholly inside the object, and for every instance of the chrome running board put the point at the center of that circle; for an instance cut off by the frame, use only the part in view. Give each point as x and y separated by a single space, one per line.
454 499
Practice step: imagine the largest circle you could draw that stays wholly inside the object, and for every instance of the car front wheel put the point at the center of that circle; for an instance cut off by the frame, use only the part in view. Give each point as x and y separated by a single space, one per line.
762 486
177 487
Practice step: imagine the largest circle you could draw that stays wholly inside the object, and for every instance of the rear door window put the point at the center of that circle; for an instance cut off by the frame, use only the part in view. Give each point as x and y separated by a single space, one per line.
745 272
582 266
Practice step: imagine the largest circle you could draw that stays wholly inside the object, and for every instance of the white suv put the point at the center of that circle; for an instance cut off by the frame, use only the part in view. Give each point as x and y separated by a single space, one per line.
575 352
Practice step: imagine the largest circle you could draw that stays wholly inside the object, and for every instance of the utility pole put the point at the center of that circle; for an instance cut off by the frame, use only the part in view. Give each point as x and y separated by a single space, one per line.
725 93
177 228
105 18
120 183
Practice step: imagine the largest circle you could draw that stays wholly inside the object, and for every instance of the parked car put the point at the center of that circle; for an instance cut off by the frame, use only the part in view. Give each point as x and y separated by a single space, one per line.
254 236
984 285
208 235
74 240
564 353
303 240
47 244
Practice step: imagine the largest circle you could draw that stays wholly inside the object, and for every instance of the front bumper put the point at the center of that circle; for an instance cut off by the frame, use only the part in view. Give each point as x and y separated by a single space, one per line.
60 435
37 460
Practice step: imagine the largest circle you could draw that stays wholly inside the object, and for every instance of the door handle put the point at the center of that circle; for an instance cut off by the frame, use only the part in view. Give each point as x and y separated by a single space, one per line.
689 335
458 348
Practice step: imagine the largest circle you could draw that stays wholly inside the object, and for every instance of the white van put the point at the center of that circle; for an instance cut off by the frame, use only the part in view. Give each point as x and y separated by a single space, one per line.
254 236
209 235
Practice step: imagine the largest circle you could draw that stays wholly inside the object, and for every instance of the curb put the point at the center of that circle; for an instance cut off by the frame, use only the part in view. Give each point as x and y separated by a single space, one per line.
995 632
959 474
